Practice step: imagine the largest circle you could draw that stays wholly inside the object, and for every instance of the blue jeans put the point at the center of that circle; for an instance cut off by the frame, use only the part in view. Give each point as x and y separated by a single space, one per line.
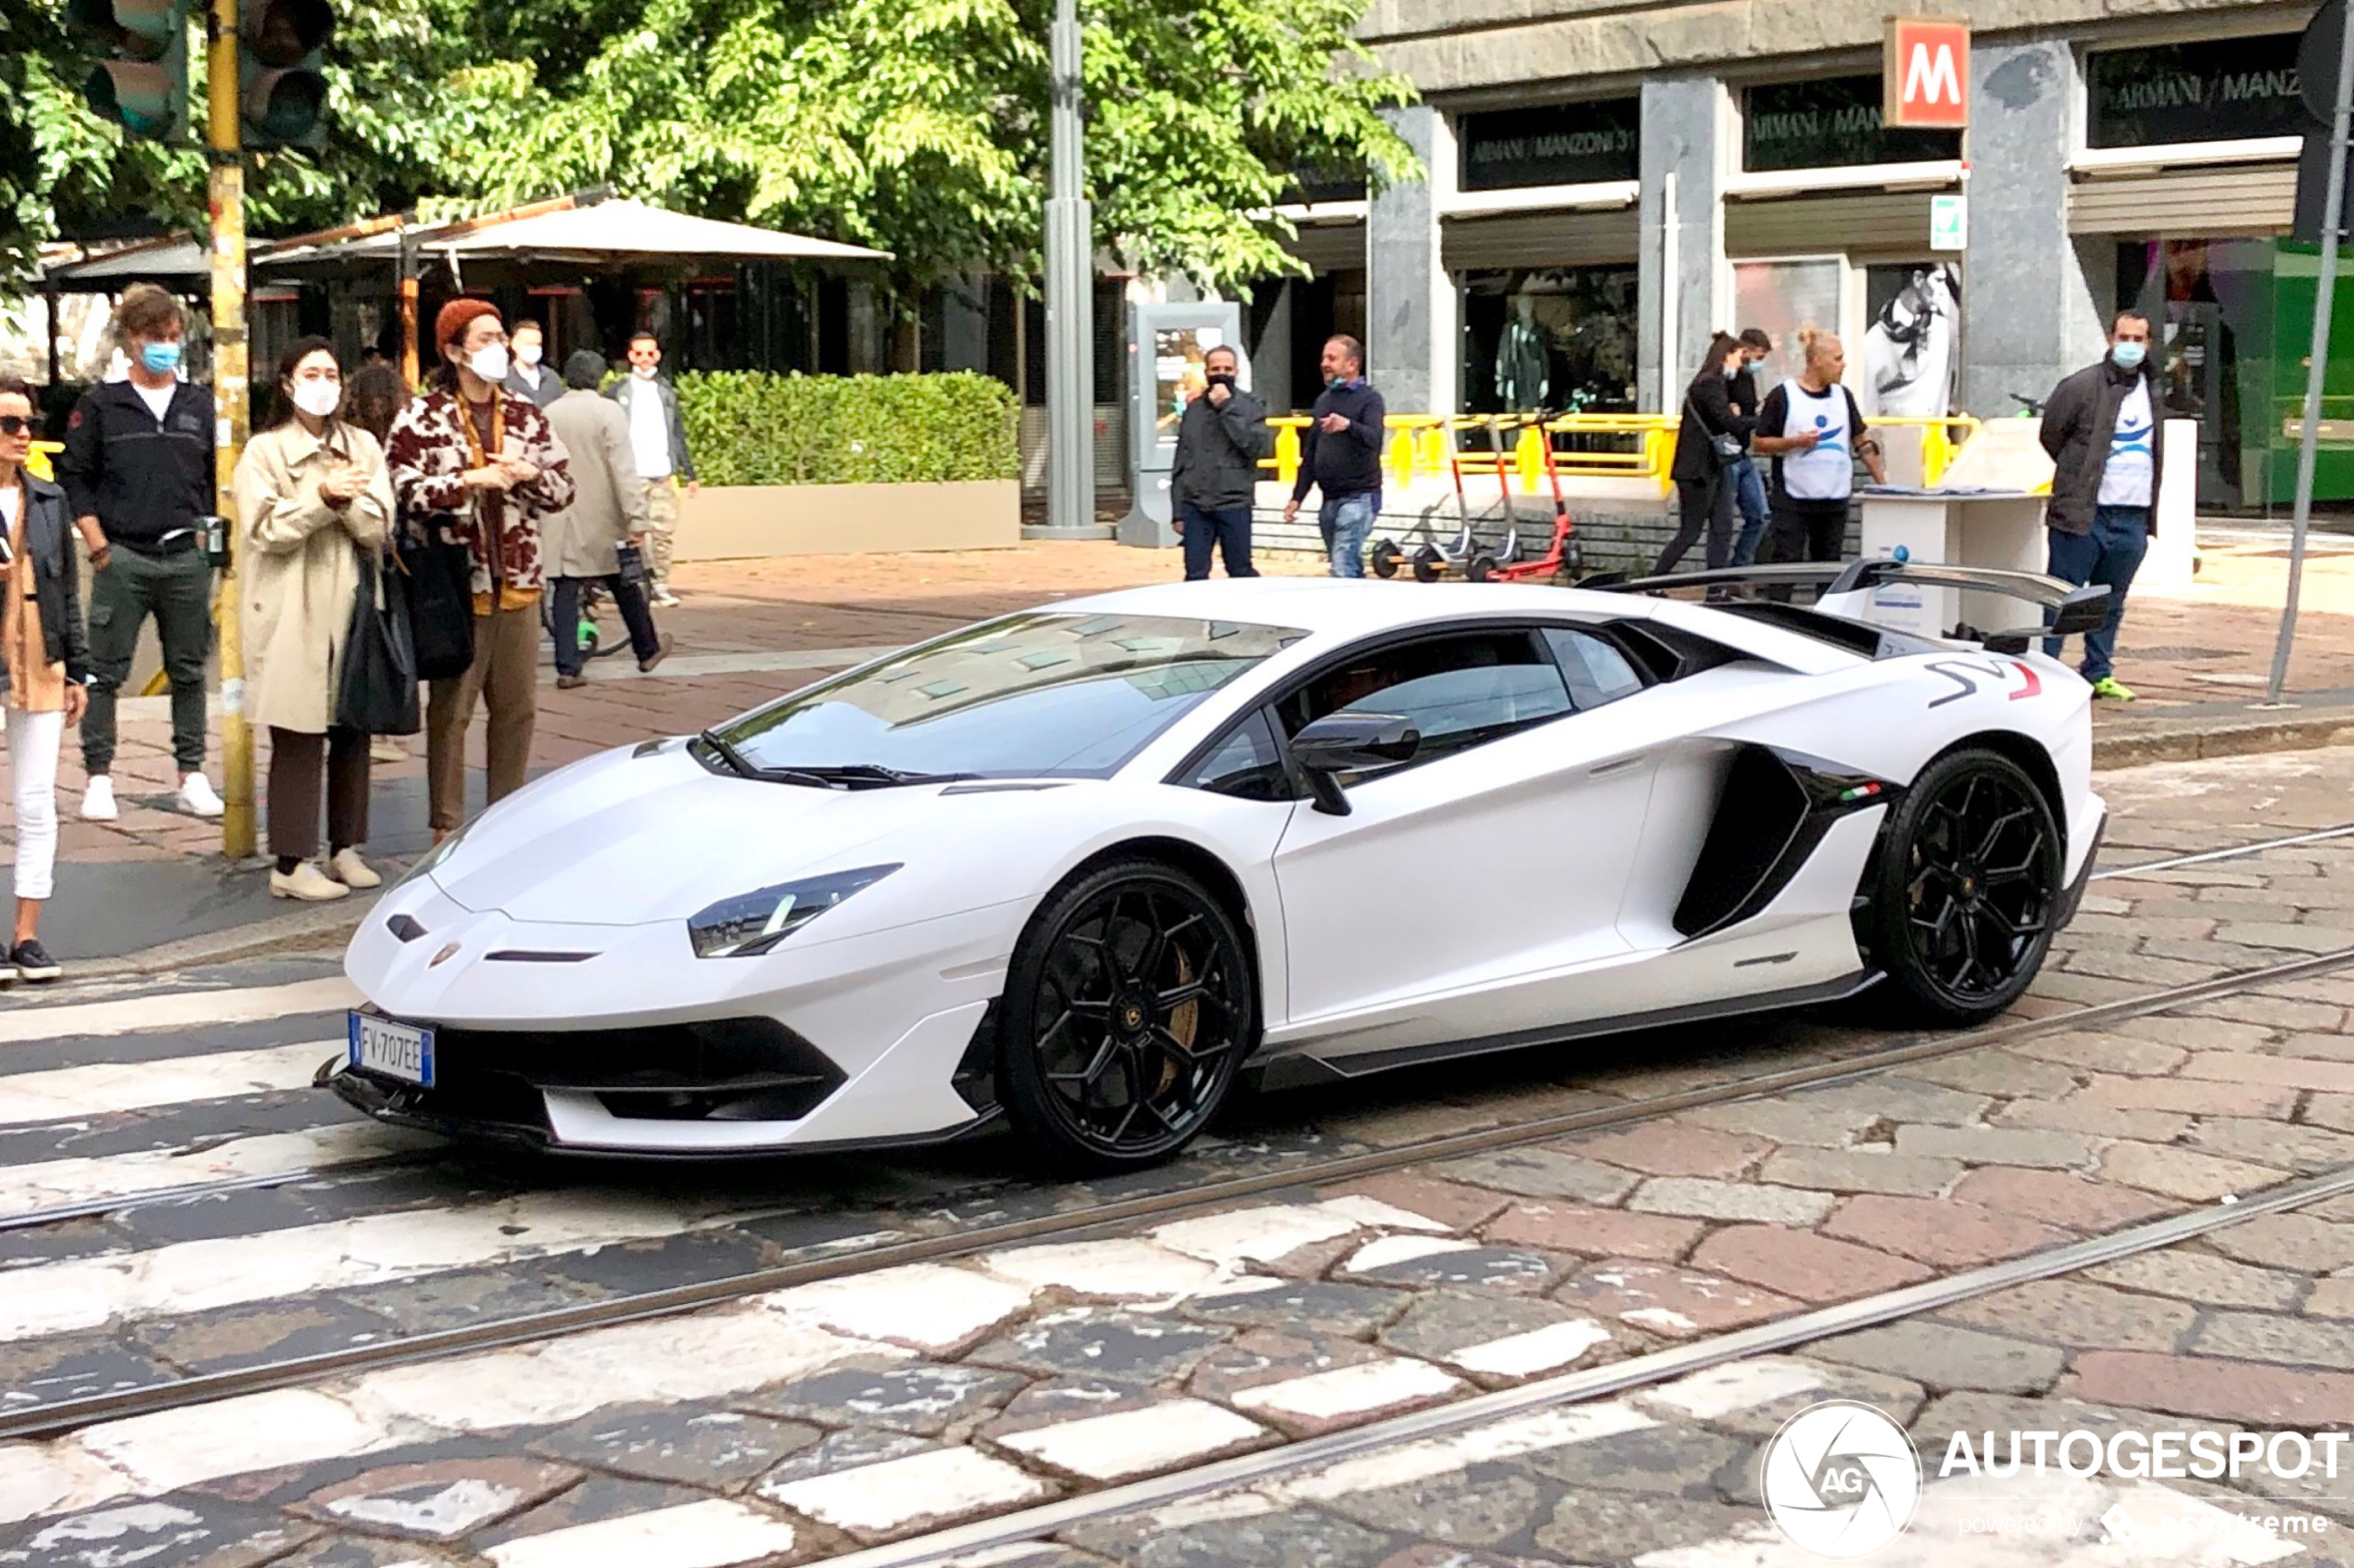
1345 521
1227 527
1749 494
2111 553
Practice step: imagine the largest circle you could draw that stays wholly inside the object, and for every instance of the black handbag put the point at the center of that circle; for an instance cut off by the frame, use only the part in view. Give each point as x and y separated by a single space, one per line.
441 583
376 693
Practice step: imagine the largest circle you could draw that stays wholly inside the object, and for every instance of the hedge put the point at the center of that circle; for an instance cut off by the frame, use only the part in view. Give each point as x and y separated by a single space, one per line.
749 428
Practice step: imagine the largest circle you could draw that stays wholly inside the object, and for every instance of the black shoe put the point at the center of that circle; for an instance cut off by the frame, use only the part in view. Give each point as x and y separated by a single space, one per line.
32 962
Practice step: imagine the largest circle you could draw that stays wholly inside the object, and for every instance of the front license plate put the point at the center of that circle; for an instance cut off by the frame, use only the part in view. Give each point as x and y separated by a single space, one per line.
392 1050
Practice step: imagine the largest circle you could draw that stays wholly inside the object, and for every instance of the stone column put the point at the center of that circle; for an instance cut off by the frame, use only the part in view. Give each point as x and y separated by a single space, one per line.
1408 315
1681 126
2030 311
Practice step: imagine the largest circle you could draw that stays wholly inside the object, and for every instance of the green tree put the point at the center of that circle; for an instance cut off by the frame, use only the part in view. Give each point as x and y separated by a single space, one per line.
920 126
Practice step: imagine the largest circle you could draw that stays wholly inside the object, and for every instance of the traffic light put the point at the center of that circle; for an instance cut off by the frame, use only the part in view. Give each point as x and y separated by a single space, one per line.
282 88
145 87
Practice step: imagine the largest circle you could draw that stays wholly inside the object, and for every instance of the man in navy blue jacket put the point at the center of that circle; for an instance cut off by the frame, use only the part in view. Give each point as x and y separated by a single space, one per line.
1341 454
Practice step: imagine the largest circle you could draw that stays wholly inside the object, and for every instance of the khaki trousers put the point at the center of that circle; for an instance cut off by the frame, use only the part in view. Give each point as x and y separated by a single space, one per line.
505 676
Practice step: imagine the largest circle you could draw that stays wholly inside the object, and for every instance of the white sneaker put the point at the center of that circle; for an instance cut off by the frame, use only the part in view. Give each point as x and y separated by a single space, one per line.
196 797
351 871
307 882
665 600
385 750
98 801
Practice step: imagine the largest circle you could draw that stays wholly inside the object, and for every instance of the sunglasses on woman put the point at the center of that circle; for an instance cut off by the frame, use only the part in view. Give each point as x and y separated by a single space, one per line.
14 425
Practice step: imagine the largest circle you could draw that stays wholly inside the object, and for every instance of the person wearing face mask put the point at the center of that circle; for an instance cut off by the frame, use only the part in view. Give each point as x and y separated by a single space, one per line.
2100 428
44 663
1749 485
312 494
480 464
1710 436
658 436
1220 440
528 377
138 472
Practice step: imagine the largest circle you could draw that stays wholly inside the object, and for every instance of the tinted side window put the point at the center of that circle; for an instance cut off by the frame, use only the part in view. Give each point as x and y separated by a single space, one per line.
1597 670
1247 765
1459 691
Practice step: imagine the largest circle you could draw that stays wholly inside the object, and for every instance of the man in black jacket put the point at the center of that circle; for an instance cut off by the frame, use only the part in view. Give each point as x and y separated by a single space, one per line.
137 471
1220 440
2100 426
1341 454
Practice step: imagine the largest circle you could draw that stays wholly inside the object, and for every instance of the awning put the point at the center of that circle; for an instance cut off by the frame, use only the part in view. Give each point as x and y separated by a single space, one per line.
604 233
175 261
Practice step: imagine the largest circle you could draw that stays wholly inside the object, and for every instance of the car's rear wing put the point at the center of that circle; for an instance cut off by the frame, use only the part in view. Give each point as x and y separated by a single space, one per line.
1847 588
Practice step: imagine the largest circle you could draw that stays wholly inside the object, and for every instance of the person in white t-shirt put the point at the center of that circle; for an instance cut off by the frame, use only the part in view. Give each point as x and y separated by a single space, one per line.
2101 428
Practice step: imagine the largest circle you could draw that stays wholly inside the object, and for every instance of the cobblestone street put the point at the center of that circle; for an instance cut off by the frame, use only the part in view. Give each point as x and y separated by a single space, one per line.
893 1347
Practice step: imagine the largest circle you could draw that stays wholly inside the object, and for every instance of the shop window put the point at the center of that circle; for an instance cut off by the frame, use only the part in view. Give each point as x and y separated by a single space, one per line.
1562 340
1911 364
1782 296
2215 90
1831 122
1548 144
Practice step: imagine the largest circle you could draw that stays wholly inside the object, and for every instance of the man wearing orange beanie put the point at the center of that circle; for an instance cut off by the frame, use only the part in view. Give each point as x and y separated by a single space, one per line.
479 464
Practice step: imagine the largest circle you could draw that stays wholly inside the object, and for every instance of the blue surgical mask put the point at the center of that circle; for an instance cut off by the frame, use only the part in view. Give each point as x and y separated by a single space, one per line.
1335 382
161 359
2128 356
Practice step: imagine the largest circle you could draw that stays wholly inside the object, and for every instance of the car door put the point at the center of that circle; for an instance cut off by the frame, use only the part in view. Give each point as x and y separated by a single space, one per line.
1497 855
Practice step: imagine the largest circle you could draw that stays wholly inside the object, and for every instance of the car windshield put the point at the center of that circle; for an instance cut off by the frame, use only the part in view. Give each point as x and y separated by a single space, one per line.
1042 694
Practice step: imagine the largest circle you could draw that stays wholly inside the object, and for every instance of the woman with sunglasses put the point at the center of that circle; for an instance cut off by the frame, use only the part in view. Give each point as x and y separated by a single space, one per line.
43 664
314 500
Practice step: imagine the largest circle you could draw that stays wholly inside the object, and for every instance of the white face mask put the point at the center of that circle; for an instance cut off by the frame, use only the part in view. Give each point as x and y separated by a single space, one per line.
318 399
489 361
643 372
527 354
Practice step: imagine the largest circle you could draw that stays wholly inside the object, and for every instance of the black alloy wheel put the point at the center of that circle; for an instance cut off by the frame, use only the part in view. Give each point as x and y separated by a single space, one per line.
1130 1004
1386 557
1968 887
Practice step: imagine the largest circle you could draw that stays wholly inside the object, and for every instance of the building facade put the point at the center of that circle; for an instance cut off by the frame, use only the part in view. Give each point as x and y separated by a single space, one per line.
1608 183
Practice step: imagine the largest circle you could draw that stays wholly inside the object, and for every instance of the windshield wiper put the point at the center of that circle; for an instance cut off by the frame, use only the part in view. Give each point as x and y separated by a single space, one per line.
742 767
875 774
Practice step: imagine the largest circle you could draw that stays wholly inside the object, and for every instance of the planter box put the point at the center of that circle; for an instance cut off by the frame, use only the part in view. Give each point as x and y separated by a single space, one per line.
755 521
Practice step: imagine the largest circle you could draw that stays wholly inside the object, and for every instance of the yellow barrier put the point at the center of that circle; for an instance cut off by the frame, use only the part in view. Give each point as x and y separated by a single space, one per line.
39 461
1937 446
1427 445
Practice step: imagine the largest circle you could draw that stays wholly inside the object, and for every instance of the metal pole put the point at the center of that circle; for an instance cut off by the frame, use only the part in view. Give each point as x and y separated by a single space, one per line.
2317 363
1071 391
229 396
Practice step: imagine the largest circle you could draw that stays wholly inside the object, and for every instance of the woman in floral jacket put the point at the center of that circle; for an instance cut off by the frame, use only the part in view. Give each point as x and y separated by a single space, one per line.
480 463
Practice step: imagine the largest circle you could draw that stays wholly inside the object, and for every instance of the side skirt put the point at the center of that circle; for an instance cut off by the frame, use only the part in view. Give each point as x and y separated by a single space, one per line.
1303 1070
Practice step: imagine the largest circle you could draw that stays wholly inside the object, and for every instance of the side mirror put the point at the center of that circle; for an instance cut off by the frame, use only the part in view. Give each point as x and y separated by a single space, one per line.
2085 610
1341 743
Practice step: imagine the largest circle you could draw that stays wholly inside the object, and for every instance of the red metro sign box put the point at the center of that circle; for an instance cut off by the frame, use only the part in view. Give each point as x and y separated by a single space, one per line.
1926 73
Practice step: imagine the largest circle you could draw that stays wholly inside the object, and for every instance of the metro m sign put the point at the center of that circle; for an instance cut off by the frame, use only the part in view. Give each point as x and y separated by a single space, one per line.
1925 73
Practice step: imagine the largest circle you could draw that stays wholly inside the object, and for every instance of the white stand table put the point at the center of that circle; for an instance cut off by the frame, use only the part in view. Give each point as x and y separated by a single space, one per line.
1999 528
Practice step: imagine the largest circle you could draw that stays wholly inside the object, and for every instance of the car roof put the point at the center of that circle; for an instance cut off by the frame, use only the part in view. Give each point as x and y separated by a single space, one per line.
1348 608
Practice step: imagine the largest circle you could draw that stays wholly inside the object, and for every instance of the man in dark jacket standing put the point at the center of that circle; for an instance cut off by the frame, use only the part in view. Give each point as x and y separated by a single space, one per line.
1220 440
2101 429
137 471
1341 454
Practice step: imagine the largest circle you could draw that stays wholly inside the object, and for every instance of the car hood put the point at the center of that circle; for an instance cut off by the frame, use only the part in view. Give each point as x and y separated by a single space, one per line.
621 839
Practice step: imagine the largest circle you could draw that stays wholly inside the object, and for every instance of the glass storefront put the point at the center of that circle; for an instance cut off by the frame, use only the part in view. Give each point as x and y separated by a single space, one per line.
1830 122
1911 363
2234 317
2217 88
1557 339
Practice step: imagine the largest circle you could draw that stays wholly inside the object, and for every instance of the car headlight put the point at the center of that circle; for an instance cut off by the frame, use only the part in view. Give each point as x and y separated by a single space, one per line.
751 923
435 856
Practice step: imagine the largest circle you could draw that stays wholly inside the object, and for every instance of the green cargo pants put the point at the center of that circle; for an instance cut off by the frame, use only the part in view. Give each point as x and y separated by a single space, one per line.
177 591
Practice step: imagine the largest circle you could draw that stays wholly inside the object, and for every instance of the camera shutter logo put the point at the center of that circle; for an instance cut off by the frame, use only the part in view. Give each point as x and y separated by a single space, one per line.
1841 1479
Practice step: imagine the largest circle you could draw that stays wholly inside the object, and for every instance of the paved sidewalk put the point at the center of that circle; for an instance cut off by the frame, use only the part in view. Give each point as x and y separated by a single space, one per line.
750 631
